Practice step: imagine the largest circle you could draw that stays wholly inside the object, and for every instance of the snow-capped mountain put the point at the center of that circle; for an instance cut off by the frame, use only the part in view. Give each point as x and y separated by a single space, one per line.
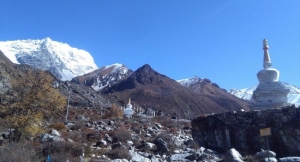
189 81
246 93
197 84
204 86
60 59
103 77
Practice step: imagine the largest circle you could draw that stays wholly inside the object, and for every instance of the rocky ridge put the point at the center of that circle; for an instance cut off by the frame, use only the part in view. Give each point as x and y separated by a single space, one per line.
104 77
214 92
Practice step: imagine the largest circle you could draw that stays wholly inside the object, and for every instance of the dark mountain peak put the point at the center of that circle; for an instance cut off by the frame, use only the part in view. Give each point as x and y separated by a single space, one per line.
146 75
146 66
145 69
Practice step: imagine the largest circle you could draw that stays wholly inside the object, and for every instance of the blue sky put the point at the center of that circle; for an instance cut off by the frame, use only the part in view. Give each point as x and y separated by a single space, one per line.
216 39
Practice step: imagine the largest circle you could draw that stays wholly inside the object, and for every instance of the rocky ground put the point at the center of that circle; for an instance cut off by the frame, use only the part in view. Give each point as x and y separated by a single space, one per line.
90 137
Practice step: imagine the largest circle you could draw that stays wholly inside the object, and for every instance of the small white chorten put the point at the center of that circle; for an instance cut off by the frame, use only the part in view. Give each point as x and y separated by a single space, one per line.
128 111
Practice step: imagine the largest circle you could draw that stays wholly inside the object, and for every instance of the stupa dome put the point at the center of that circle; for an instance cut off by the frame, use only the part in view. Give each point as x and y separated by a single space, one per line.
268 74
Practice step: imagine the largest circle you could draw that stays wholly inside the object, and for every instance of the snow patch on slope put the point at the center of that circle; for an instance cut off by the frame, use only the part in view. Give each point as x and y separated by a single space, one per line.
116 72
117 68
45 54
245 93
187 82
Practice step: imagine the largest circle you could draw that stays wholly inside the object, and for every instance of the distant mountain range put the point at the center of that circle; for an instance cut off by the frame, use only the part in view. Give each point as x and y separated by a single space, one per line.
146 87
150 89
63 61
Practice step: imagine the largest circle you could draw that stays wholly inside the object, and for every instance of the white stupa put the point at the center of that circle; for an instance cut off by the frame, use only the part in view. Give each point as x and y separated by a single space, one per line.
128 111
270 92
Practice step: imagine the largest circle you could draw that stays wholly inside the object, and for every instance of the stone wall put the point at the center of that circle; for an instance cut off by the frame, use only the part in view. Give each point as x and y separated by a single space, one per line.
240 130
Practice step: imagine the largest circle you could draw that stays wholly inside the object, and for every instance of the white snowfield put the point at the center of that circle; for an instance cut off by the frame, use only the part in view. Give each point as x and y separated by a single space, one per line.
117 68
64 61
246 93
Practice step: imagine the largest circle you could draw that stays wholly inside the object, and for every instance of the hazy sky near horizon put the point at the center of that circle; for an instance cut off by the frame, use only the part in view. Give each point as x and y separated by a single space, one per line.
220 39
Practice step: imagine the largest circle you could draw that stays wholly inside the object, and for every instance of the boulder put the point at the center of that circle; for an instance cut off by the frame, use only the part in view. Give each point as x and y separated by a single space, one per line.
70 140
69 124
145 154
150 131
101 123
4 135
120 160
57 139
264 154
101 143
106 128
45 137
154 159
54 132
82 117
135 157
158 125
201 150
271 159
162 146
188 142
118 145
109 139
150 146
232 156
111 122
209 151
180 157
289 159
129 143
177 141
194 156
49 138
88 125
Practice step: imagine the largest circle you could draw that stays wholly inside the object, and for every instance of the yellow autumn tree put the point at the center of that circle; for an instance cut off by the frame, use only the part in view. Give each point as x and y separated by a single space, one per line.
30 100
114 112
